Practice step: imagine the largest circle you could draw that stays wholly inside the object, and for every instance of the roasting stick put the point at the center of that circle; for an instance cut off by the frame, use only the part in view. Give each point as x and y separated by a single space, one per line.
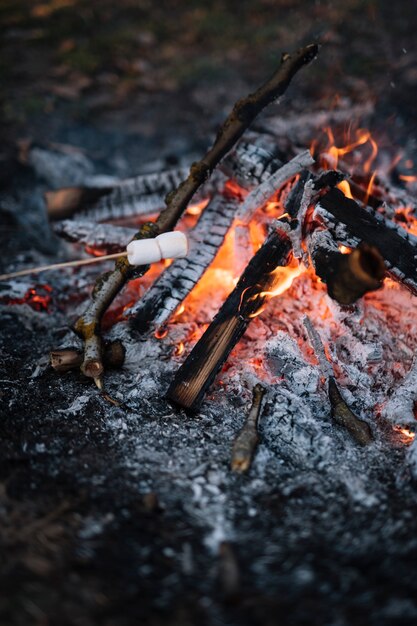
59 266
341 413
243 114
172 245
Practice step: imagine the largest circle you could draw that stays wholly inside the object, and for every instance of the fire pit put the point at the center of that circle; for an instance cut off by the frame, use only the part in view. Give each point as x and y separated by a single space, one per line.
255 454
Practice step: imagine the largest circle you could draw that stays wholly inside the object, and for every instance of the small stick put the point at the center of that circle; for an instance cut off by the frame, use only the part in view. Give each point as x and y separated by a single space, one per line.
65 359
245 443
58 266
343 416
341 413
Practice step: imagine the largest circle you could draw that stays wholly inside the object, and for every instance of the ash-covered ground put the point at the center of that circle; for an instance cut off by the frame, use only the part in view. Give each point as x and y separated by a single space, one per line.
132 515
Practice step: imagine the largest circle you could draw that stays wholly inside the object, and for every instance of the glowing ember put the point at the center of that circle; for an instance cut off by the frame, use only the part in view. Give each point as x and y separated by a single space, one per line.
407 435
179 349
161 333
38 298
197 208
408 179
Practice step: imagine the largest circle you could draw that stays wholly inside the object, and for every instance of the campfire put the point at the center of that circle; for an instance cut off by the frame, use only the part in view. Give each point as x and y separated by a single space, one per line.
301 269
253 414
304 251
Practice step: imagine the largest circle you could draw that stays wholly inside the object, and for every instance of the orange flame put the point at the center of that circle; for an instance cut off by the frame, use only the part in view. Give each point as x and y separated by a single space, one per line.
179 349
345 187
408 178
160 333
197 207
407 435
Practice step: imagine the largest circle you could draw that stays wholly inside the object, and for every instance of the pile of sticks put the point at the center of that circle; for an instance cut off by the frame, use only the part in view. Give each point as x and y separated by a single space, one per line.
318 220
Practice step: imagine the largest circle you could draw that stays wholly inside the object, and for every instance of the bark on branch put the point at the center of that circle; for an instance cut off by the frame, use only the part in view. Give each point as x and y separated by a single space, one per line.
242 115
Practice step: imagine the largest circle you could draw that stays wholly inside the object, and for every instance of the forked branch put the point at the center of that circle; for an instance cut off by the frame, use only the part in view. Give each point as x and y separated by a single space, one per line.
242 115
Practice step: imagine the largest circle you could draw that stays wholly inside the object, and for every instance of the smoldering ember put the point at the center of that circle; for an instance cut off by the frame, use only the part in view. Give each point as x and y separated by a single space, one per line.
228 436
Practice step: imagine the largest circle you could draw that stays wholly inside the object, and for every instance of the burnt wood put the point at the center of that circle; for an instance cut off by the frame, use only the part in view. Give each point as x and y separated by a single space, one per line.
207 357
175 283
397 247
347 276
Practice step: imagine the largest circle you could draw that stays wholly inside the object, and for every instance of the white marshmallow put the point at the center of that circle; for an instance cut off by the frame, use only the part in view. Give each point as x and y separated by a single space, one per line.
172 245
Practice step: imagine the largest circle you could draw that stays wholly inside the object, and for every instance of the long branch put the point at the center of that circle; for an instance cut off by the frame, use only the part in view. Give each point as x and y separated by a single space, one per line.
242 115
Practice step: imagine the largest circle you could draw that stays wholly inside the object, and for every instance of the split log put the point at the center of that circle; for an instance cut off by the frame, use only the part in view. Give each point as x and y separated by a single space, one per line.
348 276
133 196
207 357
175 283
245 443
101 237
243 114
250 164
269 187
350 224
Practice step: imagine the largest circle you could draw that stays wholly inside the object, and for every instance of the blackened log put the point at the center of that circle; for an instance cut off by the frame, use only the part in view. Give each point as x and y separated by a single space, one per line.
100 237
295 196
352 223
347 276
207 357
176 282
250 164
134 196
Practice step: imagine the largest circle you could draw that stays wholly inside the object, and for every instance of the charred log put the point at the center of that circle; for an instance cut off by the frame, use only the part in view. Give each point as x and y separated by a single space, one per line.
348 276
103 237
64 203
350 224
243 114
207 357
268 188
134 196
176 282
251 164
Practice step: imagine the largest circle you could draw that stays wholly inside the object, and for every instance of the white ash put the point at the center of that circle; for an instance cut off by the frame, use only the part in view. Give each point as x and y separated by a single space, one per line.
284 358
399 409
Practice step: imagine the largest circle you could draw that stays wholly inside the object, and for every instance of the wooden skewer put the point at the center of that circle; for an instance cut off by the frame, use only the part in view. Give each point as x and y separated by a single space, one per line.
57 266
